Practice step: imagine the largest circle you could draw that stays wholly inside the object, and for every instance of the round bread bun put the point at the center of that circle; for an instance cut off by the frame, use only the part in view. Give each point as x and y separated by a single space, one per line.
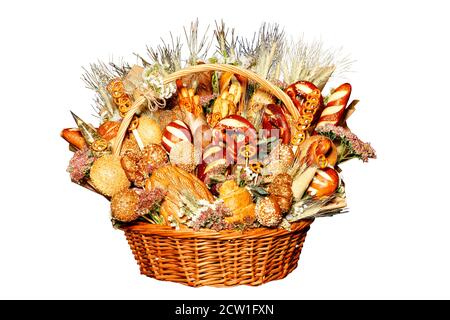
149 131
278 162
124 205
108 176
268 212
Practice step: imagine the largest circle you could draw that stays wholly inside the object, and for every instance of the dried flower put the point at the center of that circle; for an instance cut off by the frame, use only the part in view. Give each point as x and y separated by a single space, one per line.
149 200
212 216
249 175
348 144
80 165
153 79
199 213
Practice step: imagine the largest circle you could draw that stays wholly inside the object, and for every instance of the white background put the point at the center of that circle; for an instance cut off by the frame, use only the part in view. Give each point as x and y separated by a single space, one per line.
56 240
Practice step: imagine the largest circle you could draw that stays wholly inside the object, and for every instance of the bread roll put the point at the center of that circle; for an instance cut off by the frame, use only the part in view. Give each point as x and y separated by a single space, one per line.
124 205
335 108
268 212
107 175
129 144
324 183
281 189
314 146
184 156
278 162
149 131
154 156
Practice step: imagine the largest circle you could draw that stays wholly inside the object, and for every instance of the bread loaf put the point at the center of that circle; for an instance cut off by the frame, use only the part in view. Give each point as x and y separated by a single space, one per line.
176 182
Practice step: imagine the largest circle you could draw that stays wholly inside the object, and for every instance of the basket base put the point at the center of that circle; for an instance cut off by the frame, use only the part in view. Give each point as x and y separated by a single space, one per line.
217 259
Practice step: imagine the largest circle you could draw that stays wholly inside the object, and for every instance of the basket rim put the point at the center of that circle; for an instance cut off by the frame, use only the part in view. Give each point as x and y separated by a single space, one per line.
167 231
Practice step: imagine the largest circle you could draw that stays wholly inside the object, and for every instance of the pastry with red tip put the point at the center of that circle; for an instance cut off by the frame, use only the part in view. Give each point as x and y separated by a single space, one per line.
176 131
335 108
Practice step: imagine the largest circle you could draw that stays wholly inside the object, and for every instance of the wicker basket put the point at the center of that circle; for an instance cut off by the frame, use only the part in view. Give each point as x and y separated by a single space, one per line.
225 258
209 258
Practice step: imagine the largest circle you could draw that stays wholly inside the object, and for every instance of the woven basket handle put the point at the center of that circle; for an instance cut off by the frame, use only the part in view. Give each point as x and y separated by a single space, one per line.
267 85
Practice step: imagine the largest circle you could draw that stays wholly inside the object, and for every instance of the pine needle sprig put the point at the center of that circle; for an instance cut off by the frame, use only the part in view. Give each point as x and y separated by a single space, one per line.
227 43
264 52
167 55
198 47
120 69
96 77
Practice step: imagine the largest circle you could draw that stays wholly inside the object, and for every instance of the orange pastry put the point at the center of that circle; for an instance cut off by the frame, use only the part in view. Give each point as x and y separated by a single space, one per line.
74 137
324 183
239 201
108 130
